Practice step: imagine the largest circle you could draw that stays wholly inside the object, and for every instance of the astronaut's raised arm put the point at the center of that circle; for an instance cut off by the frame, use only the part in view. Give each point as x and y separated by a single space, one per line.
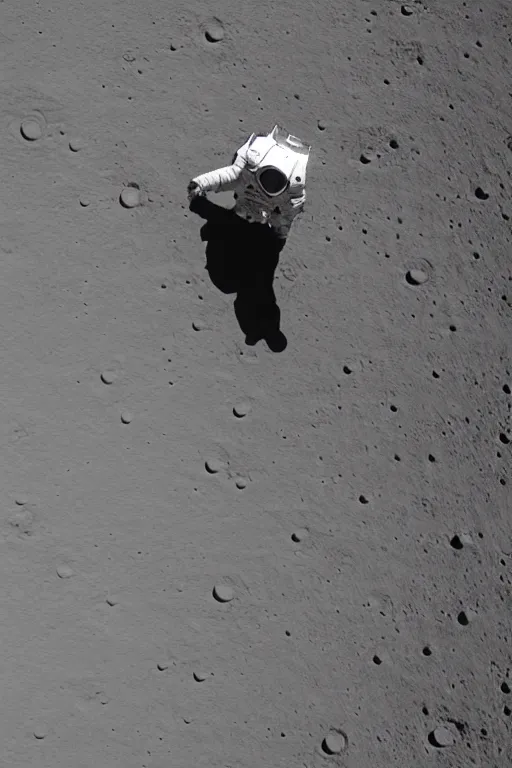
222 180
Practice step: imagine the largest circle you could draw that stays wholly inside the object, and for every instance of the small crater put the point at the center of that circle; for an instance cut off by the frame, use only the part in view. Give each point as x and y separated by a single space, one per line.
365 158
347 370
427 651
406 10
505 688
393 144
504 438
363 499
463 619
456 543
377 660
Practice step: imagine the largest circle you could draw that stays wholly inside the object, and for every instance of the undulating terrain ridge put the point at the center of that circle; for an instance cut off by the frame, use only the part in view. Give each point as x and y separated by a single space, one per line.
215 555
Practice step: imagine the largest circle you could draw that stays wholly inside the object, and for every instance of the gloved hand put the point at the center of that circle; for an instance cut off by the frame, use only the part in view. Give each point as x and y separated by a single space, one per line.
193 190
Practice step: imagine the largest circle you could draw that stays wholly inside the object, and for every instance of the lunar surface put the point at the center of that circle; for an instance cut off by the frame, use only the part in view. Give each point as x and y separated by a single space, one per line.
256 500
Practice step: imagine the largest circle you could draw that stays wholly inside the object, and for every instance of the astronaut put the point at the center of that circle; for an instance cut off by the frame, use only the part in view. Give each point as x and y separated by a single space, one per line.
268 178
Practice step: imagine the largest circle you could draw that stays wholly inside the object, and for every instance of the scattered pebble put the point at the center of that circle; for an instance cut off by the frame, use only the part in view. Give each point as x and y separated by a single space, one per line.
300 534
334 743
416 277
241 483
441 737
108 377
40 732
162 666
223 593
366 157
31 129
199 677
481 194
213 465
130 197
214 31
76 144
126 417
241 410
64 571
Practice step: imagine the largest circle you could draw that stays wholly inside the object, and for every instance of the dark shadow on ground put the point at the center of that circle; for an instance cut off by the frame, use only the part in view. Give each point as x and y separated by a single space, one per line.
242 258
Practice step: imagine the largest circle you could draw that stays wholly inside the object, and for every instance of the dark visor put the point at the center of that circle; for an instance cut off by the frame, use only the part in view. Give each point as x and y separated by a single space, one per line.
272 181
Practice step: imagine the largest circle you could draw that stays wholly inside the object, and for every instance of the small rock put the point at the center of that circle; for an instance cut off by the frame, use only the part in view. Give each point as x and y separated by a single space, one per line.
126 417
366 157
108 377
241 483
213 465
481 194
223 593
21 501
64 571
197 325
40 732
322 125
406 10
162 666
241 410
416 277
300 534
334 743
441 737
214 31
111 600
85 202
200 677
31 129
130 197
76 144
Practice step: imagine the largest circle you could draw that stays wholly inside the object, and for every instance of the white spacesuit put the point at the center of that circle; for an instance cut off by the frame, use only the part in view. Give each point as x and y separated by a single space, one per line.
268 178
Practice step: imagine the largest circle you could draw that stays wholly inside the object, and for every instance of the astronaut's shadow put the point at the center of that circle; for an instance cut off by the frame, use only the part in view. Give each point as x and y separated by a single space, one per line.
241 258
